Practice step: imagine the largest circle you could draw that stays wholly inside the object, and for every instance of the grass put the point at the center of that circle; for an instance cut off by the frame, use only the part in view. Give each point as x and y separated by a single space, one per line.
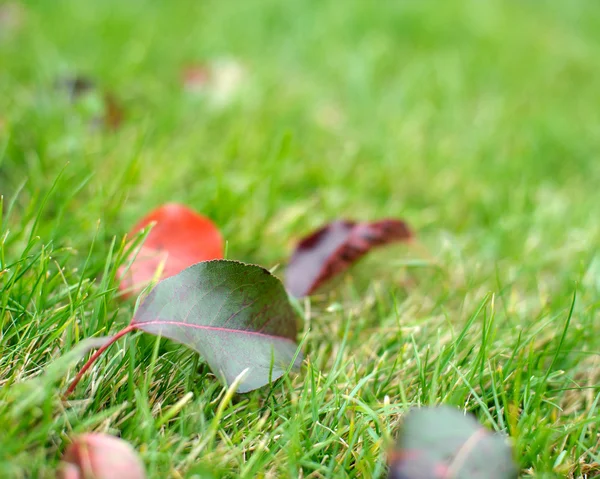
477 122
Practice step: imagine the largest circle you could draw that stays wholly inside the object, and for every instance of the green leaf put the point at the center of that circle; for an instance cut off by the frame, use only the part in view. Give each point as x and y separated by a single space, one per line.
236 315
443 443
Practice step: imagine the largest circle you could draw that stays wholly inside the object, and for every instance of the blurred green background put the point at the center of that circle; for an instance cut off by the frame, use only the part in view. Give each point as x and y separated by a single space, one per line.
454 114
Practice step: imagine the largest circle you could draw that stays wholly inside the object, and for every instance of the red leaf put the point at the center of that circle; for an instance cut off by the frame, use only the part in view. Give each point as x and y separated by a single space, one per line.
179 238
196 77
333 248
220 80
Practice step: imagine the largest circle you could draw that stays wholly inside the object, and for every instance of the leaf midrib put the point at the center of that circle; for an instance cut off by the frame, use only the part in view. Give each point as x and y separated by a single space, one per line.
210 328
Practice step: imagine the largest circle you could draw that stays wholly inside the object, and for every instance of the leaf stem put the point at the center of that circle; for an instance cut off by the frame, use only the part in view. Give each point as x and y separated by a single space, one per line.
95 356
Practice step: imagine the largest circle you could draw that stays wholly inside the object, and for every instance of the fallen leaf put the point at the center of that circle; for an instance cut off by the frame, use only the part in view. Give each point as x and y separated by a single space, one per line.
220 80
100 456
107 111
237 316
179 238
444 443
76 86
196 77
12 18
113 111
333 248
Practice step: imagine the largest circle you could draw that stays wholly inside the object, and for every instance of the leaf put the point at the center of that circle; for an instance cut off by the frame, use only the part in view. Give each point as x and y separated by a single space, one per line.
442 443
12 18
113 111
76 86
103 106
333 248
179 238
219 81
100 456
237 316
196 77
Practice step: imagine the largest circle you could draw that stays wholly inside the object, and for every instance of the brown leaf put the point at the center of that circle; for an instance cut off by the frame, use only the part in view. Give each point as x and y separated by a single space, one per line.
114 113
77 86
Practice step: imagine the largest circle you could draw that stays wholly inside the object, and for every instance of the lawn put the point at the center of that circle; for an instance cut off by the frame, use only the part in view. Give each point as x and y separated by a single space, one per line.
477 122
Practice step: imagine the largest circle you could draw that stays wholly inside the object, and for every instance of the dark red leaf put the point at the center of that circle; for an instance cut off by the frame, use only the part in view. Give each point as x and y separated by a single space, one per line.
444 443
332 249
237 316
179 238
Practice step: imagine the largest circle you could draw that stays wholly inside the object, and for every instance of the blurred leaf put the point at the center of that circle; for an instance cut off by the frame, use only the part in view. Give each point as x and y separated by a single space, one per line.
76 86
179 238
333 248
219 80
114 113
196 77
103 105
443 443
12 18
101 456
